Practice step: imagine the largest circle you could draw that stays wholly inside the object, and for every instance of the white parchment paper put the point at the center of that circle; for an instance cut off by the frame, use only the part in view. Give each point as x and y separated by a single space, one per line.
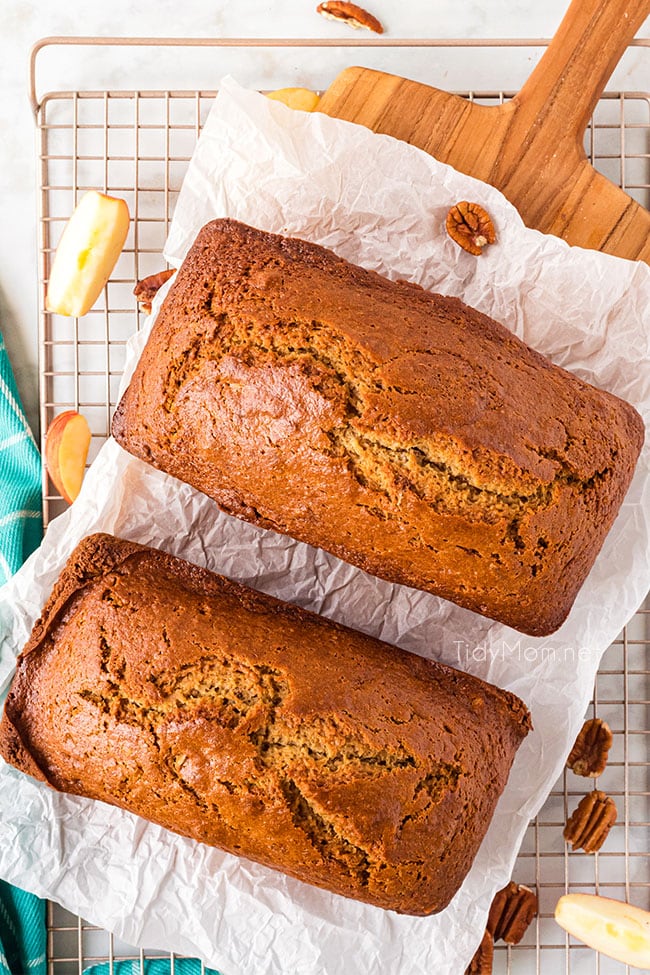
382 204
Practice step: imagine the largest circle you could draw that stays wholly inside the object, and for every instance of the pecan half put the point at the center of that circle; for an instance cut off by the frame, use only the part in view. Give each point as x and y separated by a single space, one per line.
590 822
512 910
350 14
589 754
146 289
470 226
481 963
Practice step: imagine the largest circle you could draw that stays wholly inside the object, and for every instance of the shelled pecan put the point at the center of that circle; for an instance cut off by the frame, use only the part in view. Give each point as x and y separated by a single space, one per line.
470 226
591 821
589 754
350 14
512 910
145 290
481 963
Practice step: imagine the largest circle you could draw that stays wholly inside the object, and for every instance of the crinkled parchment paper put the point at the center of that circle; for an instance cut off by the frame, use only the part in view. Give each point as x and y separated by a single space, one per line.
380 203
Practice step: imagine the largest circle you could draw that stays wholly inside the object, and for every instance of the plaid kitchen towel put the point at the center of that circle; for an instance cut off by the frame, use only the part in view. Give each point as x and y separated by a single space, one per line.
22 916
22 932
20 477
151 966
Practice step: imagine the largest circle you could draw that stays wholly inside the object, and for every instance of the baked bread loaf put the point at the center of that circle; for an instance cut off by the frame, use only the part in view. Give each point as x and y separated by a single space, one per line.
401 430
246 723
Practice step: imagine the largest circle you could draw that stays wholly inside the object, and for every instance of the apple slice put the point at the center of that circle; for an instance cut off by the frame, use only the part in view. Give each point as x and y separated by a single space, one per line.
300 98
90 245
66 448
615 928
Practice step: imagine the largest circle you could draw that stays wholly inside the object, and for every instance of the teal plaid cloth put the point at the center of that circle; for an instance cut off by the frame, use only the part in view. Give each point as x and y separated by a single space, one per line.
22 932
22 916
152 966
20 478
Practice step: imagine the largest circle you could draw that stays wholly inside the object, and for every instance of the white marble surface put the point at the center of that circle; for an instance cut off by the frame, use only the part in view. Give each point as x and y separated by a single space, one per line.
22 22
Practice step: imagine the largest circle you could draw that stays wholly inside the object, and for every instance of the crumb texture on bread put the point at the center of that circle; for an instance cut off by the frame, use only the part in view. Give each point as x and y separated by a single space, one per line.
255 726
401 430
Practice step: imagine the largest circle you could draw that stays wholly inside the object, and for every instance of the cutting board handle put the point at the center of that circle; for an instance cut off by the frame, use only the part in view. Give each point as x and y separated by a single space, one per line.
564 88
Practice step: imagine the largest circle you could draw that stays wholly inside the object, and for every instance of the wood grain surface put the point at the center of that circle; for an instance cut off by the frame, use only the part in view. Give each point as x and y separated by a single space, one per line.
532 147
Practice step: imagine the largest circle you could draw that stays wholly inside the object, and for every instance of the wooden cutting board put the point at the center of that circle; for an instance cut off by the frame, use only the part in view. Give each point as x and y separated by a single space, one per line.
531 148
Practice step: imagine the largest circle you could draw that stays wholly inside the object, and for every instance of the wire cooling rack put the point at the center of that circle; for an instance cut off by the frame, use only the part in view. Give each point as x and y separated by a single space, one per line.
137 144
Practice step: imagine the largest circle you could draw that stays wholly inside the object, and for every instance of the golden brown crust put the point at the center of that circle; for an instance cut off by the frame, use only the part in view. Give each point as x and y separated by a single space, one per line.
13 750
400 430
253 725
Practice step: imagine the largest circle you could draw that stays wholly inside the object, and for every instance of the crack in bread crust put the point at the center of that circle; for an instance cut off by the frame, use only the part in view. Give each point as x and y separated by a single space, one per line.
430 468
218 687
324 837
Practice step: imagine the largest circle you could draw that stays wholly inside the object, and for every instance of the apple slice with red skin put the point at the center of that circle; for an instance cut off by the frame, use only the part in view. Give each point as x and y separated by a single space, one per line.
66 448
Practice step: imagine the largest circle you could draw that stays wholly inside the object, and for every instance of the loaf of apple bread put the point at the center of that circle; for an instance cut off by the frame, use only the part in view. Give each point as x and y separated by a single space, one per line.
252 725
403 431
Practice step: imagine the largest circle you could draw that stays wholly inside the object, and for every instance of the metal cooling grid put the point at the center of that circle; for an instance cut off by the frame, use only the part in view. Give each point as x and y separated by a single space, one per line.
137 144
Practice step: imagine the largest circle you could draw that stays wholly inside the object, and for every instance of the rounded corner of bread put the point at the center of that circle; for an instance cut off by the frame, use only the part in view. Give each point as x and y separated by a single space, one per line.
545 617
520 713
216 228
432 908
118 422
638 428
92 557
544 626
13 749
